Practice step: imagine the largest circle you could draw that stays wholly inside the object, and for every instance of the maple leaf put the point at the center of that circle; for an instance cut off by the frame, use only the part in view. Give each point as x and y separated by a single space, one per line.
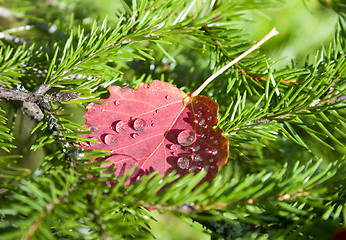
159 128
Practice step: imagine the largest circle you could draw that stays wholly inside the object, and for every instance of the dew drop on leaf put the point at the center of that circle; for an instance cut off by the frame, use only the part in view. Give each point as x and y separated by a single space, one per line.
120 126
110 139
94 129
168 97
116 103
186 138
197 158
214 152
139 124
157 111
93 144
201 122
146 85
196 148
173 147
183 162
205 168
192 168
134 135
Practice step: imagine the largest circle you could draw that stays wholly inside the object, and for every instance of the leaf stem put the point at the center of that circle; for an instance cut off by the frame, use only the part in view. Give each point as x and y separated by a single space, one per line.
269 35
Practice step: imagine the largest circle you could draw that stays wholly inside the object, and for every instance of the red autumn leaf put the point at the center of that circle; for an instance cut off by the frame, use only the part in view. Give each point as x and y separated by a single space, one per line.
158 127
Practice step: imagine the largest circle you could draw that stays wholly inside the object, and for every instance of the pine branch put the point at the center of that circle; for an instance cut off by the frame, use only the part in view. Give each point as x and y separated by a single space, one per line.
70 196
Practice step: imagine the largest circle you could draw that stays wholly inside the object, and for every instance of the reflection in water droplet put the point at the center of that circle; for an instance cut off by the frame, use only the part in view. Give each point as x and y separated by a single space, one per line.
196 148
183 162
186 138
134 135
173 147
213 152
93 144
146 85
116 103
197 158
94 128
110 139
205 168
120 126
139 124
168 97
192 168
201 122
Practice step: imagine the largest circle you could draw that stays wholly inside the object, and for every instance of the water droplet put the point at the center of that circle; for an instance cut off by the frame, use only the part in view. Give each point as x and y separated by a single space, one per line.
201 122
209 118
199 114
203 136
205 168
146 85
153 124
139 124
213 152
116 103
186 138
134 135
196 148
168 97
173 147
183 162
120 126
211 137
93 144
197 158
110 139
216 142
211 160
158 88
157 111
192 168
94 128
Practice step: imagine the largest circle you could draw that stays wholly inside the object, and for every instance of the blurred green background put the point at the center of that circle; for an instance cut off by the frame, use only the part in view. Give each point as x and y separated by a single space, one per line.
304 27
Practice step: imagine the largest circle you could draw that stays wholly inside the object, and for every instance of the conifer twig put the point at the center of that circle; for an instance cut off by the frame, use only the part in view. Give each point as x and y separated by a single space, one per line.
269 35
